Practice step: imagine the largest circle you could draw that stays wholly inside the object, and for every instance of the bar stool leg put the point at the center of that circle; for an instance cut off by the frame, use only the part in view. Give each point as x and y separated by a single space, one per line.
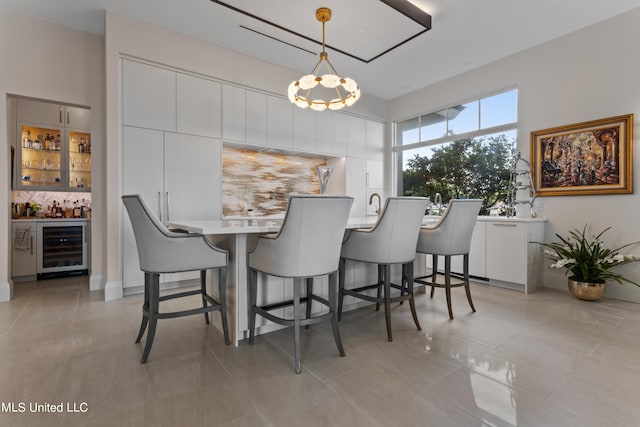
387 300
466 281
203 289
333 302
154 301
434 274
222 291
380 284
341 267
145 307
447 283
253 280
408 268
297 284
309 293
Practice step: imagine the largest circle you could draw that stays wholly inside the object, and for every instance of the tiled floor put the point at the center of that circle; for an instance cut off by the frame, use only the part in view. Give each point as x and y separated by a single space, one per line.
543 359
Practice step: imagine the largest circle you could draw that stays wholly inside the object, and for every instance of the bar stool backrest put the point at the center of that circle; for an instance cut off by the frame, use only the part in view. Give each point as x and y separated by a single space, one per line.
452 234
309 240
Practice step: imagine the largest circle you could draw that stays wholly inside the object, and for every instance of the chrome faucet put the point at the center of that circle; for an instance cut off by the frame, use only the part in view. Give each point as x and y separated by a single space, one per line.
438 202
379 202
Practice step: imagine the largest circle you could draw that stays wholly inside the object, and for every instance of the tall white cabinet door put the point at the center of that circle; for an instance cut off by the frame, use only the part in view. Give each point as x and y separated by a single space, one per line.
198 106
233 113
192 177
142 173
375 140
148 96
279 122
375 173
356 184
305 130
324 134
256 111
339 133
356 137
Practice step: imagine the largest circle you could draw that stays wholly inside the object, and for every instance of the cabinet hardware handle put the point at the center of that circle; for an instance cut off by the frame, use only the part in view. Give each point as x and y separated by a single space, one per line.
166 203
504 225
60 114
367 179
67 115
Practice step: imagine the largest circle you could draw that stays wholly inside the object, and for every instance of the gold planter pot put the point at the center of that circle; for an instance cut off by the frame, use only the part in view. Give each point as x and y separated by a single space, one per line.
585 290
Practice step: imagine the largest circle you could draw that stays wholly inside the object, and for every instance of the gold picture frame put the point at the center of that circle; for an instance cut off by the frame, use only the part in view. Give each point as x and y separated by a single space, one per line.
594 157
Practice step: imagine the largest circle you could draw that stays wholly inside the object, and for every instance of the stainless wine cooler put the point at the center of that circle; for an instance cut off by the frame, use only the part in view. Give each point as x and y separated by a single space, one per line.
62 249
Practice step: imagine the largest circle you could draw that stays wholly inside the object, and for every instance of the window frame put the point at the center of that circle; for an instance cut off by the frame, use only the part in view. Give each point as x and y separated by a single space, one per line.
395 149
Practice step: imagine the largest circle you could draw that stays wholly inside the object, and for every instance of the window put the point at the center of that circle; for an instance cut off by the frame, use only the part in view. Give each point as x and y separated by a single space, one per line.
460 151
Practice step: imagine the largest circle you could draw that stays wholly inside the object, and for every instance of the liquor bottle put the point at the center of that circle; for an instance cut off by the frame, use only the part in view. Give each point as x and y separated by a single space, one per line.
81 145
57 147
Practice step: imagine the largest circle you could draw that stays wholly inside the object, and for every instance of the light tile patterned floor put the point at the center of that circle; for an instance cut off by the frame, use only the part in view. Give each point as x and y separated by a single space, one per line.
543 359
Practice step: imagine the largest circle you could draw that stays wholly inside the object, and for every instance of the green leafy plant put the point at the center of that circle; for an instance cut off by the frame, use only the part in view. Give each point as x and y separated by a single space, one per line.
587 259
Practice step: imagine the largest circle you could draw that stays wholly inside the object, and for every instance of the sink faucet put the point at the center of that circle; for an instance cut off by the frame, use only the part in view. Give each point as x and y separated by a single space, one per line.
438 202
379 202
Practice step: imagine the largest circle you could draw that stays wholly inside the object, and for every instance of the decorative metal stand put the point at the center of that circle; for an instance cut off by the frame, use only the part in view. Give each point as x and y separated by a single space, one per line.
520 180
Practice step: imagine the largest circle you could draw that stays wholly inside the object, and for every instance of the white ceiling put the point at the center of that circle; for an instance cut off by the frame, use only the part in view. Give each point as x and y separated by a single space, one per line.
465 34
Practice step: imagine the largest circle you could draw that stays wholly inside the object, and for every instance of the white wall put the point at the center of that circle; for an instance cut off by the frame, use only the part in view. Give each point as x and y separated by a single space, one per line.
129 37
48 61
590 74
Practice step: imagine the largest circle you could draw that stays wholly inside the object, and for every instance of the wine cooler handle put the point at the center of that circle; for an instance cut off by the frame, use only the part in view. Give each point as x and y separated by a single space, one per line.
31 244
160 205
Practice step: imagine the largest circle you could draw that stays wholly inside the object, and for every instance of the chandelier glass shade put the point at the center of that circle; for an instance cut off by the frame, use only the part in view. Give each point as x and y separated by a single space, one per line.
342 91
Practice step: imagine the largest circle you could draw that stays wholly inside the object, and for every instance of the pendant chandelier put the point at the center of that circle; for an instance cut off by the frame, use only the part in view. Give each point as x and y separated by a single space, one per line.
347 91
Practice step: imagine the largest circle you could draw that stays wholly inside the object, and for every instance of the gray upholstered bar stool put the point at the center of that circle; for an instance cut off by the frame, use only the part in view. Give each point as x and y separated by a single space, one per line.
392 240
451 236
307 246
163 251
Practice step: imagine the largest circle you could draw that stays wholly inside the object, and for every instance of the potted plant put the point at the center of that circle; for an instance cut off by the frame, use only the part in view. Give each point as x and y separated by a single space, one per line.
590 263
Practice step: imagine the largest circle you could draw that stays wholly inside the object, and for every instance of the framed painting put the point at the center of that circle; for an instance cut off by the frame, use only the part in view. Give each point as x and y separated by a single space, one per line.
593 157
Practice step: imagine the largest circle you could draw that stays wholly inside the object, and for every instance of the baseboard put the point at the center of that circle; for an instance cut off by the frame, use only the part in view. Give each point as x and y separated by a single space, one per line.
6 291
112 291
96 282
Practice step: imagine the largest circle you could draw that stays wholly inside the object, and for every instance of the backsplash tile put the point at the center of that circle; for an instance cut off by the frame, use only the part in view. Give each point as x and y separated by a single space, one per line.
46 198
263 181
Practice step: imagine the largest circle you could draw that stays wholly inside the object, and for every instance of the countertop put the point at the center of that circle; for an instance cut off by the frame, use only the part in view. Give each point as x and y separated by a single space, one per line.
240 225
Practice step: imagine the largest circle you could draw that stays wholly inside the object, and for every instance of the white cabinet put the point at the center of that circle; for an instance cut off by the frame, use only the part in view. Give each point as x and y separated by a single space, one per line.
23 253
177 176
356 184
375 140
512 257
148 96
54 114
339 134
356 137
256 117
502 252
279 122
53 146
233 113
375 175
305 130
198 106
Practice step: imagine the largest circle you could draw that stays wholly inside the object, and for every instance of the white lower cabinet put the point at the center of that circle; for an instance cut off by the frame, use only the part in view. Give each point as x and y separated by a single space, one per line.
502 252
514 260
178 177
23 250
